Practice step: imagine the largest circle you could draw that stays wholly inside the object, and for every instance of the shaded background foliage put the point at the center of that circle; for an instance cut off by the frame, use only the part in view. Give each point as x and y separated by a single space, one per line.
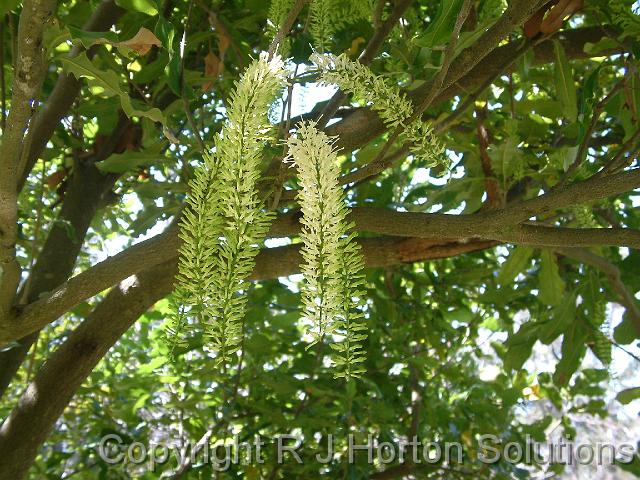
513 127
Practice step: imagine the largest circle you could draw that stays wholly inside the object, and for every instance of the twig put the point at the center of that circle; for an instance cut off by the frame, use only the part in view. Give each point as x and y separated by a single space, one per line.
618 162
280 177
286 26
444 124
437 82
449 55
631 354
582 149
364 173
187 107
374 168
495 197
378 11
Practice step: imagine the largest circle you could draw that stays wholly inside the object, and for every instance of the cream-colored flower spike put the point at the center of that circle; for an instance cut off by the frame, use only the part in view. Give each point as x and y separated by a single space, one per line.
393 107
332 293
225 219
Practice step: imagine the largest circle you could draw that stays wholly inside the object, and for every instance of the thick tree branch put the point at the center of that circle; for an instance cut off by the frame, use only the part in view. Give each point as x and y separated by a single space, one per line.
271 263
101 277
592 189
29 424
44 400
539 235
503 225
29 74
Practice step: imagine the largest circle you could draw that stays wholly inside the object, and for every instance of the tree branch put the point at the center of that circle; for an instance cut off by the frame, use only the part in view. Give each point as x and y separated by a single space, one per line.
29 74
594 188
271 263
286 26
46 397
539 235
516 14
436 229
55 384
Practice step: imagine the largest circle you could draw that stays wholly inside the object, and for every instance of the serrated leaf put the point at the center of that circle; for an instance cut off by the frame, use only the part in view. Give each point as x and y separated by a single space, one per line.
87 38
109 81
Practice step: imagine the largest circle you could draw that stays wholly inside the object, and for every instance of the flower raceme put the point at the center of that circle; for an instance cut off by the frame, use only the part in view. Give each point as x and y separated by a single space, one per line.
333 289
393 107
225 220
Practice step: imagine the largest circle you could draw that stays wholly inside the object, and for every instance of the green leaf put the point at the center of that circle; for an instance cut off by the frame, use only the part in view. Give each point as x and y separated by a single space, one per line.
629 395
440 28
625 333
54 35
7 6
506 159
632 467
551 285
87 39
565 87
148 7
109 81
604 44
519 345
140 402
562 317
515 264
149 367
124 162
166 32
573 349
